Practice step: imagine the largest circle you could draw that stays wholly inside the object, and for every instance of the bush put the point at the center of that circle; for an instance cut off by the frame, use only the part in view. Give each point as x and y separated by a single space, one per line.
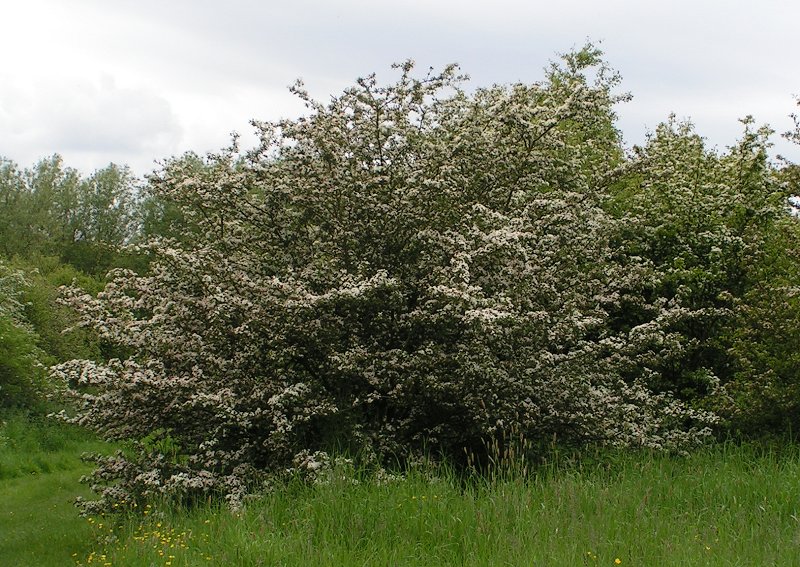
717 229
407 268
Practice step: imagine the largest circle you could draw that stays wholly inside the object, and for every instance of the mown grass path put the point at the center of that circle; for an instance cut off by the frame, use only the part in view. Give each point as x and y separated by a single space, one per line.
39 524
40 468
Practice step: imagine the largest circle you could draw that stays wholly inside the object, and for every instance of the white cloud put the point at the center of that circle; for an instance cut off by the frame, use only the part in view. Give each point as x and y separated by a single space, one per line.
91 121
187 73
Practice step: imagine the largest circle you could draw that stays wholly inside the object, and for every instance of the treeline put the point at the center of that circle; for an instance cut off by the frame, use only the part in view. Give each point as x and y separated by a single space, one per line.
414 268
60 228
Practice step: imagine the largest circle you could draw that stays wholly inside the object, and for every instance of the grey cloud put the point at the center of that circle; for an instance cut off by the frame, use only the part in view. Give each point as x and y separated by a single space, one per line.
83 117
215 62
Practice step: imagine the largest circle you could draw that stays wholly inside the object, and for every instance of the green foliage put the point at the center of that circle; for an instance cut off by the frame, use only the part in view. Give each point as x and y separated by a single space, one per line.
49 210
36 330
56 228
763 394
32 444
46 199
716 228
56 325
107 218
763 338
22 371
161 216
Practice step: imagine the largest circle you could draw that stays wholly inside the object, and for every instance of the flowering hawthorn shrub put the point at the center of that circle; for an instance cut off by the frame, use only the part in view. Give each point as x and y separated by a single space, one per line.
407 268
717 230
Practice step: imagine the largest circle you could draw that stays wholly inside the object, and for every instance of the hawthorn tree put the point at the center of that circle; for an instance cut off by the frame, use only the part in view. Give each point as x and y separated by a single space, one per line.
717 230
407 268
762 393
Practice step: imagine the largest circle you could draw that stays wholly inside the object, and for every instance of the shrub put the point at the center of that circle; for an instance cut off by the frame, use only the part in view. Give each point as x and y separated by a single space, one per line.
409 267
717 230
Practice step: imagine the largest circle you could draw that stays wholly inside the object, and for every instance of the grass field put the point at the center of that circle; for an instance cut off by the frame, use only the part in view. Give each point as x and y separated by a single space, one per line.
723 505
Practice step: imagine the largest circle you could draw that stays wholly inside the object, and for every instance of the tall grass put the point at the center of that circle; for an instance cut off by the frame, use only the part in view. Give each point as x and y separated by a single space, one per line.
724 505
727 504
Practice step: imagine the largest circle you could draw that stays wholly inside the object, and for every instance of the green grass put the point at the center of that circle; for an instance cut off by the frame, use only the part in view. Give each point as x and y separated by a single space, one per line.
34 445
39 470
39 524
725 505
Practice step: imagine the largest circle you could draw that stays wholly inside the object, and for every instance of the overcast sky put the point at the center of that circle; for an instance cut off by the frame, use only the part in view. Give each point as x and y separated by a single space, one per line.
137 81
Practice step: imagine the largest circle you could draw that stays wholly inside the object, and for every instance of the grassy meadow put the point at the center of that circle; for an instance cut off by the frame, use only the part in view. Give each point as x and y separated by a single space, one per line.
725 504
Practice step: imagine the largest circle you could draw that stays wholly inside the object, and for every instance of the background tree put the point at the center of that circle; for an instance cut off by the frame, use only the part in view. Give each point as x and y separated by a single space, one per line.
763 339
717 230
107 217
56 228
22 370
50 210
